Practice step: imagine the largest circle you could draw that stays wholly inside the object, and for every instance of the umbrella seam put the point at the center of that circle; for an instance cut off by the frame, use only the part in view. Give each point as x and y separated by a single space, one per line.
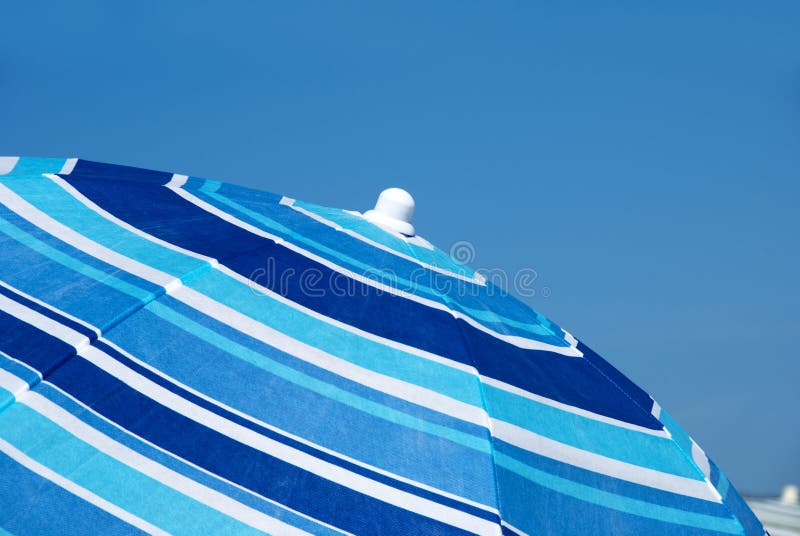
460 323
677 446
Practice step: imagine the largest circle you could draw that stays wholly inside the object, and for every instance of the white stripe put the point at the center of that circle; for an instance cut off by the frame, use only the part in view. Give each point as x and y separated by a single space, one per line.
252 284
50 307
69 336
298 438
7 164
507 432
387 384
248 437
161 449
700 459
15 385
64 233
66 186
69 165
245 324
404 390
513 528
570 409
344 370
604 465
269 446
166 476
656 411
26 312
477 280
522 342
45 472
177 181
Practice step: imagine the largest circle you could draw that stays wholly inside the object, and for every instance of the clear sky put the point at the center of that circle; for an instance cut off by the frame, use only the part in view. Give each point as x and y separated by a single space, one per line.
643 158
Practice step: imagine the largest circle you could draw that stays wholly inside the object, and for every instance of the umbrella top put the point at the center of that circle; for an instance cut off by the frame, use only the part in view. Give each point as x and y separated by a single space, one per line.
393 211
179 353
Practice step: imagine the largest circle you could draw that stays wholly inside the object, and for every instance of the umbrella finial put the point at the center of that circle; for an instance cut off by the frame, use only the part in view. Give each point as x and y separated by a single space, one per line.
393 211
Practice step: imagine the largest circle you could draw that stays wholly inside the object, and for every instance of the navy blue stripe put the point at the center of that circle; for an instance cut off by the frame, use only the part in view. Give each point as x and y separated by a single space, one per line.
61 319
415 410
233 417
264 474
23 342
188 395
164 214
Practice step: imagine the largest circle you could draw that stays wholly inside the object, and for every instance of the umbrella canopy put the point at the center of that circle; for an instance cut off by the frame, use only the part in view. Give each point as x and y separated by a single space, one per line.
187 356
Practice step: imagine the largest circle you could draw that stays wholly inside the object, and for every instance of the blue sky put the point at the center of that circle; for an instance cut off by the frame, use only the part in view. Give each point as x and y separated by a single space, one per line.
644 159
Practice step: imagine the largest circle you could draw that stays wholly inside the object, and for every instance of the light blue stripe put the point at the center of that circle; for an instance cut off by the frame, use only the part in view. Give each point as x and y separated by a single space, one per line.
388 277
352 347
723 485
678 434
617 502
631 446
433 257
36 166
511 408
54 201
90 417
42 248
169 460
54 447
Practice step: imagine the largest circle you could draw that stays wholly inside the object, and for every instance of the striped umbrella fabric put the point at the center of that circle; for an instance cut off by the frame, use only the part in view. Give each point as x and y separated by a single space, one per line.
180 355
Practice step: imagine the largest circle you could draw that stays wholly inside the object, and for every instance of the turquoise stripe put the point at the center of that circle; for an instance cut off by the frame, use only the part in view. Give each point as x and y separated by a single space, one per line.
623 444
54 447
386 277
354 264
347 345
36 166
374 356
433 257
42 248
352 347
618 502
253 357
723 486
315 385
54 201
678 434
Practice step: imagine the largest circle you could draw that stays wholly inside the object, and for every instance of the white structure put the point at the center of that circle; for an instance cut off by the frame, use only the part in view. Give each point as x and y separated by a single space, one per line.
393 211
780 516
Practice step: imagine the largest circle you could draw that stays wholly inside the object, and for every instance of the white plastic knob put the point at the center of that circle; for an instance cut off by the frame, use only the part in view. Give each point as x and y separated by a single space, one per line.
393 211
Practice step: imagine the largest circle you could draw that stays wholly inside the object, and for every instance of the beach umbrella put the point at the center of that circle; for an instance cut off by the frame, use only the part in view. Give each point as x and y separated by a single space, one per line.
182 355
